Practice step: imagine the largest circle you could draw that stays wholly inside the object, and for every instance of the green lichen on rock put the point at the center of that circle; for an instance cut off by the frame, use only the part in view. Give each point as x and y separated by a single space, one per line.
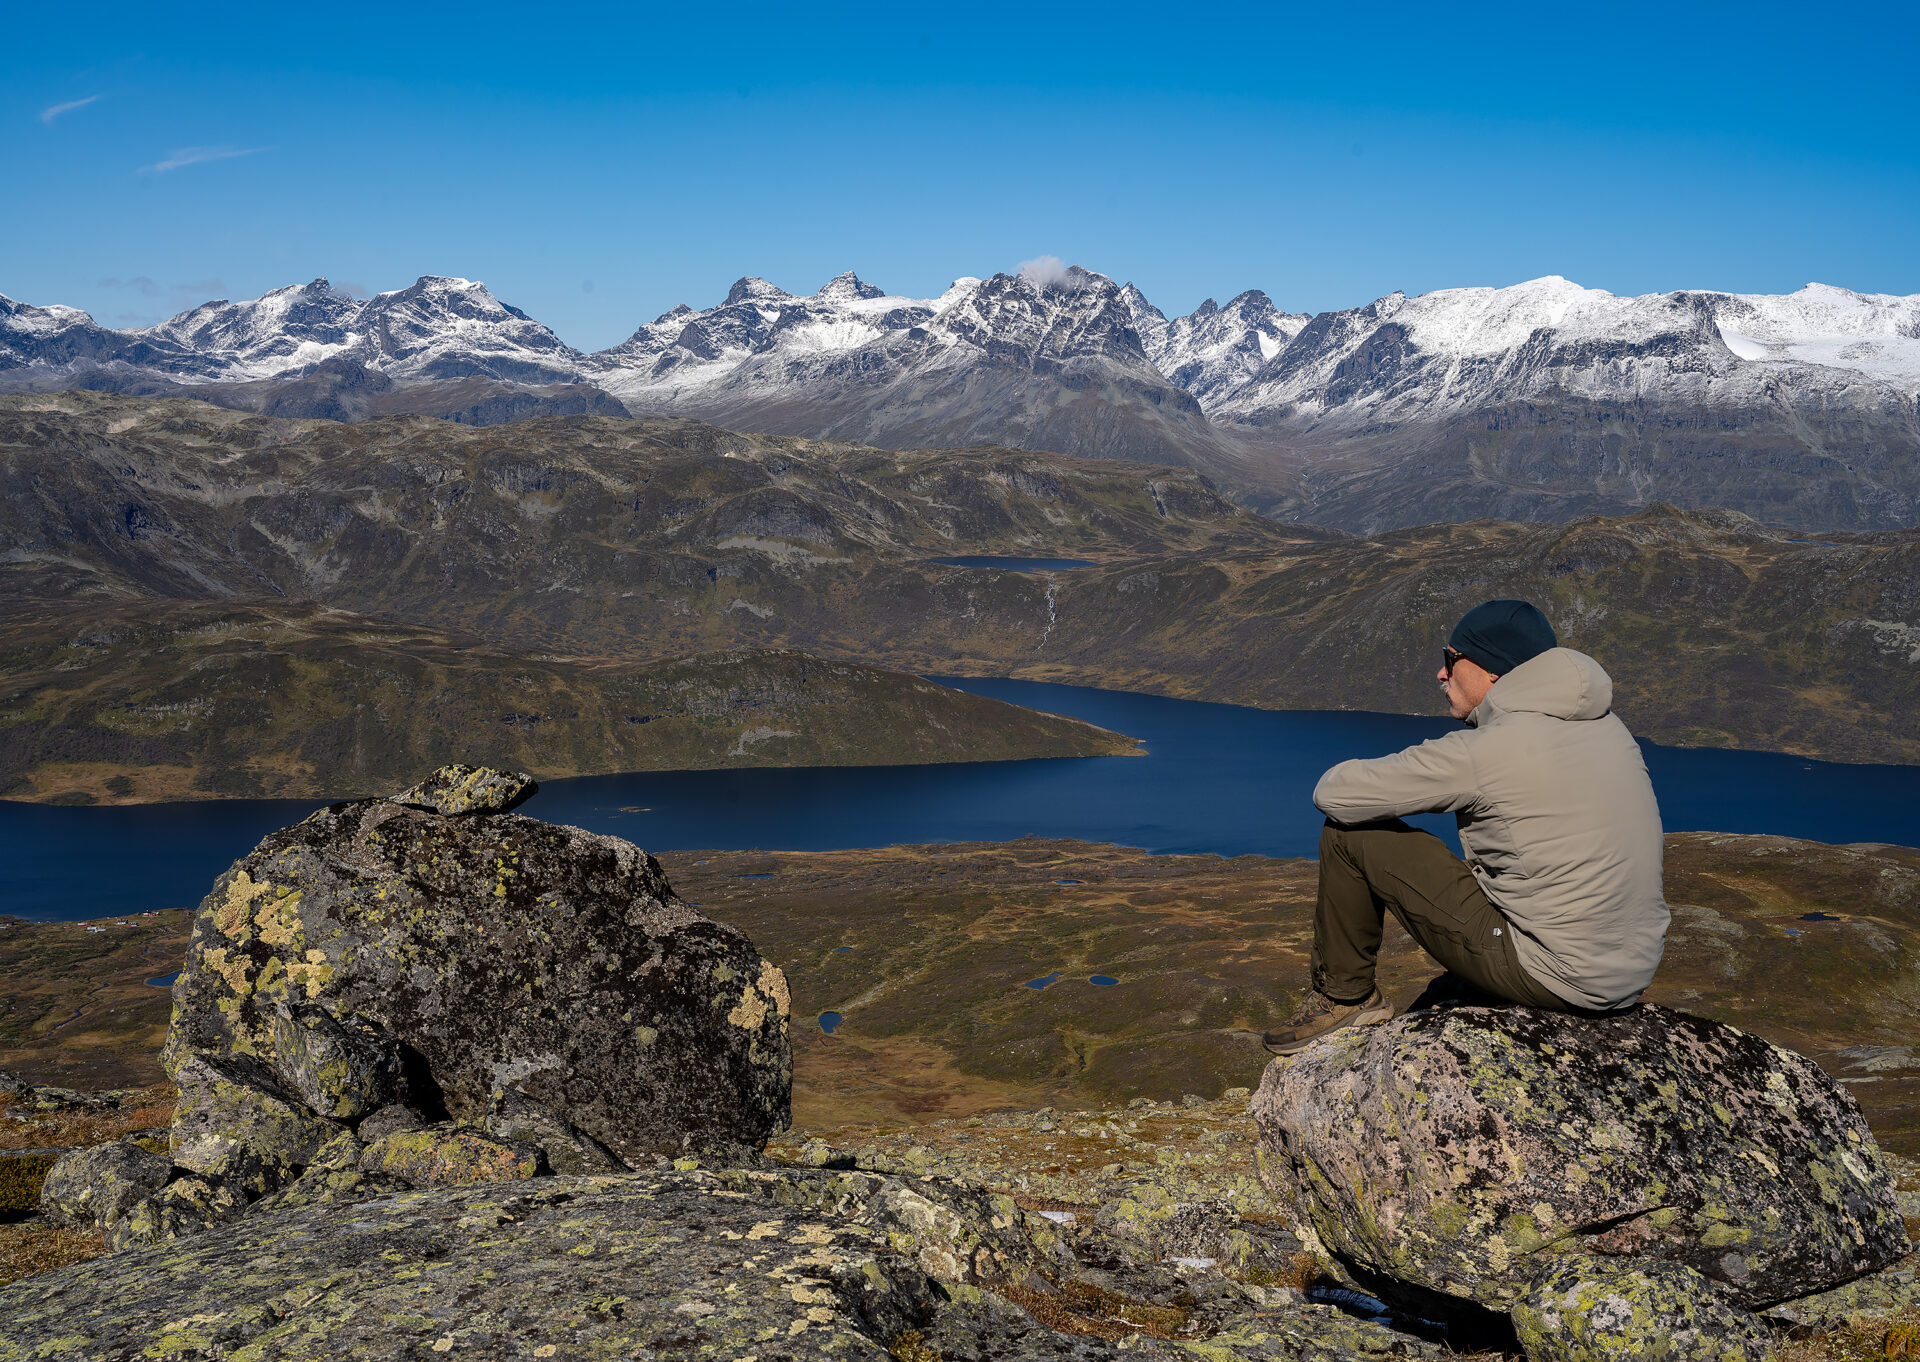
339 1071
449 1156
770 1263
1462 1150
1602 1311
455 790
233 1123
190 1205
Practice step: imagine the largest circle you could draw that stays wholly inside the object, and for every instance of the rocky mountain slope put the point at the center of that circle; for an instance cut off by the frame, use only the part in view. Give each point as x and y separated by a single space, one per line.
183 700
1541 401
650 539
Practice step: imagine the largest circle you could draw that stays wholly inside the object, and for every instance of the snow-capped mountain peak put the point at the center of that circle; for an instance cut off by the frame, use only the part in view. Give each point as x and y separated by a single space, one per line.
751 288
1213 350
847 287
287 328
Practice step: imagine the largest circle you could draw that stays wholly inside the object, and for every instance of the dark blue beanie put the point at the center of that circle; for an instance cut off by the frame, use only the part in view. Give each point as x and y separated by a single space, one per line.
1500 635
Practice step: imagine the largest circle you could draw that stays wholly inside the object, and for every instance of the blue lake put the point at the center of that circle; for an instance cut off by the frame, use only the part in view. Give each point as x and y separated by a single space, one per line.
1220 778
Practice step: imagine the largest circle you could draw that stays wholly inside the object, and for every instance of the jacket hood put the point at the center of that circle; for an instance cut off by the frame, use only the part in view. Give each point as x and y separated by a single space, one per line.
1559 682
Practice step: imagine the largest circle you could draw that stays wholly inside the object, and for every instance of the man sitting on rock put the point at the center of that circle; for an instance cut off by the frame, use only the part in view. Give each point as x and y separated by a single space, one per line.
1558 904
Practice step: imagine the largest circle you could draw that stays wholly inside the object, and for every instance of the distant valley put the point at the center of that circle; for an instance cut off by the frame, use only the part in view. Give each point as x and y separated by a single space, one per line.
1539 402
572 550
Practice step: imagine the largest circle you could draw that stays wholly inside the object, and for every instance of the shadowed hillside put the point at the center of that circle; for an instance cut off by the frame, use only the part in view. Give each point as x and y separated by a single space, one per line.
178 700
589 537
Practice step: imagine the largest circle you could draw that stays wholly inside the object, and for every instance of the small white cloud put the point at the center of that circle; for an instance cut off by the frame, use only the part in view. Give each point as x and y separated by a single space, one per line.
1045 271
193 156
140 284
53 111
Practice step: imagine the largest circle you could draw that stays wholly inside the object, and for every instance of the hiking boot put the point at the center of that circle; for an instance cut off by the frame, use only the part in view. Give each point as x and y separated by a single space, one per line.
1321 1016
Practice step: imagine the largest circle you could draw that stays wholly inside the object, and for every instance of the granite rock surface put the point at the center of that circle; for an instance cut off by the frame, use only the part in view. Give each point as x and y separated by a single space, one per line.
1602 1312
775 1264
1465 1151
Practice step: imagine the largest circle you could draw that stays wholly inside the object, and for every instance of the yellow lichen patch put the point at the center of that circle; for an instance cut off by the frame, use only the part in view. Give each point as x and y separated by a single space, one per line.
232 971
236 908
279 921
773 983
311 974
750 1011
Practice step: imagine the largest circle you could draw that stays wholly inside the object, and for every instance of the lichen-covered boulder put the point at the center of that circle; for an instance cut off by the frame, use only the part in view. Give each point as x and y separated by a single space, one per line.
188 1206
95 1188
1459 1150
448 1156
457 789
319 1185
339 1071
513 1116
431 949
1587 1310
234 1123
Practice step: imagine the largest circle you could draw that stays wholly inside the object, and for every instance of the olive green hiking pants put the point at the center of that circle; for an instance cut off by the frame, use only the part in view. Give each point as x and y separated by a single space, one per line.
1368 870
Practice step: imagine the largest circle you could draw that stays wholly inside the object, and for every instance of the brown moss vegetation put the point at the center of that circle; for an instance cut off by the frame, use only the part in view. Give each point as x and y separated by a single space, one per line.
33 1248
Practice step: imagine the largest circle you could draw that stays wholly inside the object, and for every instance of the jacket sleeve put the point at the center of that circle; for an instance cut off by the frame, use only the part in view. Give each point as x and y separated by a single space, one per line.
1434 777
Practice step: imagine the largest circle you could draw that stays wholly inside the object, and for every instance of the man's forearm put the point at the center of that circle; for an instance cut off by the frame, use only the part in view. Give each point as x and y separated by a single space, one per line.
1434 777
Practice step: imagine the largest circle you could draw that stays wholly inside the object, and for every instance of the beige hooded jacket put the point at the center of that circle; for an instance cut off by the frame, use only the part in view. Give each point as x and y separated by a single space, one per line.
1557 818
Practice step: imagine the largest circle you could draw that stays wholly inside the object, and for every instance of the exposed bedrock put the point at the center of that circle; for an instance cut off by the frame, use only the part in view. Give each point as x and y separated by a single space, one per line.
1474 1153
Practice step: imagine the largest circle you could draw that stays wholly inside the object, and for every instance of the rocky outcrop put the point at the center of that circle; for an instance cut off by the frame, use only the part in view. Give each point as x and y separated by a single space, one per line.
776 1264
433 949
430 990
1485 1154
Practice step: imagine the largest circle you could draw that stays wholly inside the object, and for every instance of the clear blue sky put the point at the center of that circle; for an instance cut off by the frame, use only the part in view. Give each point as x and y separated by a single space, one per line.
595 168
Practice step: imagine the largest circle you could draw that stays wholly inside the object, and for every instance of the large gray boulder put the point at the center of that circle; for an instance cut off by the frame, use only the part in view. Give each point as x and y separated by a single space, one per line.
432 950
1466 1151
95 1189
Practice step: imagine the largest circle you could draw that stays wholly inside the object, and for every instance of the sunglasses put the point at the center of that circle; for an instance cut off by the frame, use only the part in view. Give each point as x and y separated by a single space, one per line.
1449 656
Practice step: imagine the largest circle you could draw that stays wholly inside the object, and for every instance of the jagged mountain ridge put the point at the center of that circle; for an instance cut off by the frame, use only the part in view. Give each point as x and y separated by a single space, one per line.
1539 401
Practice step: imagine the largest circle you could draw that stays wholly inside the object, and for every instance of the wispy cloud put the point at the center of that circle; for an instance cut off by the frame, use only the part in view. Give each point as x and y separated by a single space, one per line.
53 111
140 283
193 156
169 298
